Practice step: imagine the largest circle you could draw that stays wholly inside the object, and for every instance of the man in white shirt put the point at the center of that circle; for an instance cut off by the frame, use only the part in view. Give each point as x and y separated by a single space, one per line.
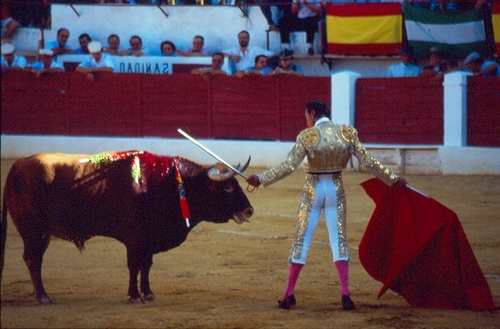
60 46
407 67
11 61
97 62
46 63
244 55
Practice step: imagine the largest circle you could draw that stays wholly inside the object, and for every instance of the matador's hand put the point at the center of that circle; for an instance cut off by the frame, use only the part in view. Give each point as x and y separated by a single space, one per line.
253 180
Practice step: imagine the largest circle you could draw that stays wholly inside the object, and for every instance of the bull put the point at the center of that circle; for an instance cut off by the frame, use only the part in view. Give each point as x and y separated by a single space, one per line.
147 202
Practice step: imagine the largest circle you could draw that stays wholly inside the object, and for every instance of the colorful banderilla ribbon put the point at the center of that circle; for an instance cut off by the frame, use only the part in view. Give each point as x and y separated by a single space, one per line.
186 214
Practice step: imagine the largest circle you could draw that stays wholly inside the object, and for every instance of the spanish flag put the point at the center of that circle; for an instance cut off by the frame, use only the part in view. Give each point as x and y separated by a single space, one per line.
364 28
496 25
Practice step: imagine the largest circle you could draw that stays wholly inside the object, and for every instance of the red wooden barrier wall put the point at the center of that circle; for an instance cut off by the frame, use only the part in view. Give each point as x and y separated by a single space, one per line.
264 108
399 111
388 110
34 106
483 111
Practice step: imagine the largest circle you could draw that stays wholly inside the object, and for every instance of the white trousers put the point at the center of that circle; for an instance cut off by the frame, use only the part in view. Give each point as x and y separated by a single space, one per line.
327 194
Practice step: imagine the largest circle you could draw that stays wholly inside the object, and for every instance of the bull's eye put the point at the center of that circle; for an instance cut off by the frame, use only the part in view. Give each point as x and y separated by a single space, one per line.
228 189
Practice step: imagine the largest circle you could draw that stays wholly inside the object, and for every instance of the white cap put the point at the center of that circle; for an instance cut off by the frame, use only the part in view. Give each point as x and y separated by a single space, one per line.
95 47
7 49
45 51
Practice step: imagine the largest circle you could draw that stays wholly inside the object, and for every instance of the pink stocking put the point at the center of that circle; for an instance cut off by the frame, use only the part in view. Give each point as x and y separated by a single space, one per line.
343 270
293 275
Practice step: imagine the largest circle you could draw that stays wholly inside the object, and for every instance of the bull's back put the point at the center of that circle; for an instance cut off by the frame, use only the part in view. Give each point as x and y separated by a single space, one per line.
60 196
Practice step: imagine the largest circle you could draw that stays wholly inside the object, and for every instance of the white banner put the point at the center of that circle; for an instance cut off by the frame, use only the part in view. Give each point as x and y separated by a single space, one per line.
144 64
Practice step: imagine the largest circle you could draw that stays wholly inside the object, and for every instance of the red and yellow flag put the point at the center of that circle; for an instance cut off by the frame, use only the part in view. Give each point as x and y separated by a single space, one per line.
495 19
364 28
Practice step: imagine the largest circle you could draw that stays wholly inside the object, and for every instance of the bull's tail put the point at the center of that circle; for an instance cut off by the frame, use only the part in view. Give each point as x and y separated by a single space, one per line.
3 236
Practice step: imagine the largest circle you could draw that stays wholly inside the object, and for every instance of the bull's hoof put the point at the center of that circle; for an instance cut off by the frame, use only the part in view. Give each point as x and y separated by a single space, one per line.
136 300
149 297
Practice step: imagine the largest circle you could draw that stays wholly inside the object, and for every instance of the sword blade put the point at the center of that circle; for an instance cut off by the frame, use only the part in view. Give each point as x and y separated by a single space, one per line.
414 189
204 148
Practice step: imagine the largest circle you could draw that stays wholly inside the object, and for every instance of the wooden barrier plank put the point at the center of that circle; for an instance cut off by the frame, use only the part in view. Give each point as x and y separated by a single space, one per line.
108 106
483 111
399 111
245 108
175 101
33 105
295 93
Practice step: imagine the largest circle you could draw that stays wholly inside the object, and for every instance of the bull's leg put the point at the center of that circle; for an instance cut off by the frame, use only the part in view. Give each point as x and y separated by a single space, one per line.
134 266
145 287
34 248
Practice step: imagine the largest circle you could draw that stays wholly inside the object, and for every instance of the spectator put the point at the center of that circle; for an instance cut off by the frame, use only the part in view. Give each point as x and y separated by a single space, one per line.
260 68
244 55
84 40
407 66
8 22
46 63
11 61
136 48
60 46
214 69
168 48
286 66
97 62
481 67
197 49
436 64
265 7
304 16
113 45
448 66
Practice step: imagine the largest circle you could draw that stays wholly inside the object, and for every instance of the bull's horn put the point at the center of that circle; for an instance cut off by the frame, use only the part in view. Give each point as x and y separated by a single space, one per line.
245 166
216 175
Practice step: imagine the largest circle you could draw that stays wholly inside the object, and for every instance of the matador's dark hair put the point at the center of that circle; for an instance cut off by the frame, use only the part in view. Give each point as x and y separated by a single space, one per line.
320 107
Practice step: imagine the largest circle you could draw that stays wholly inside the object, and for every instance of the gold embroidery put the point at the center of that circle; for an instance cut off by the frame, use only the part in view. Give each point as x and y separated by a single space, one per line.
328 148
311 137
348 133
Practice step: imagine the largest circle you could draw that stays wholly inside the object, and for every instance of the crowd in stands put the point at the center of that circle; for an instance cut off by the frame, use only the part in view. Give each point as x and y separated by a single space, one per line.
266 63
245 59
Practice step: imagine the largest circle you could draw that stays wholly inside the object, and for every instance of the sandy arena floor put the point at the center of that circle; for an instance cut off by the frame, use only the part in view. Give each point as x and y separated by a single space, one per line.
231 276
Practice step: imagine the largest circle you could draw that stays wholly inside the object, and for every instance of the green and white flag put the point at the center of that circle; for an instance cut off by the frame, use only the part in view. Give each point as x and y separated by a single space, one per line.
457 32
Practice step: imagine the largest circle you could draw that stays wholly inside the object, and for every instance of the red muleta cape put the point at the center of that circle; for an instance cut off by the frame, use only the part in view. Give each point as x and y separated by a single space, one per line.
417 247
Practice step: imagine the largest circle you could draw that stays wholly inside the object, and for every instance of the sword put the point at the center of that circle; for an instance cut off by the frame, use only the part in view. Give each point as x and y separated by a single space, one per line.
414 189
183 133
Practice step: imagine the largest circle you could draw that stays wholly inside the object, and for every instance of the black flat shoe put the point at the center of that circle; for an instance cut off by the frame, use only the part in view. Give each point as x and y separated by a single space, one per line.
287 302
347 303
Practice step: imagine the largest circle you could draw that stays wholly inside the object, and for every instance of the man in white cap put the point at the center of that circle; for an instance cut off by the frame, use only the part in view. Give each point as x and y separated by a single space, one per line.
10 61
480 66
46 63
97 62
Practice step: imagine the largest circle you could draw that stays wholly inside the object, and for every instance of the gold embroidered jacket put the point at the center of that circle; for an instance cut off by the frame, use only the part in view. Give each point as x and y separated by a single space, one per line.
328 148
